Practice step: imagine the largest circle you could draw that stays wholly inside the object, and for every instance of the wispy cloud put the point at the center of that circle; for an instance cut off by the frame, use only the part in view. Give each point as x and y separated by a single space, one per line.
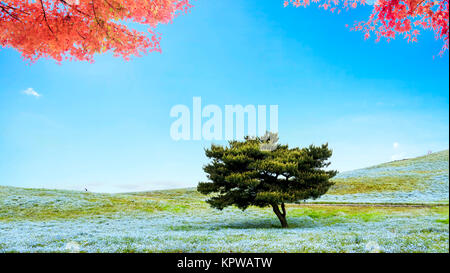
31 92
395 145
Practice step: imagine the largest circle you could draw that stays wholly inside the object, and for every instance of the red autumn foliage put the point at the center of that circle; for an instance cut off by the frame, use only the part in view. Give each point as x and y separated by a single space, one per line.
390 18
77 29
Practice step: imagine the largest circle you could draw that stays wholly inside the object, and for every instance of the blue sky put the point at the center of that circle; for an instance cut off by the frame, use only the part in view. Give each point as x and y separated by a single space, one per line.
107 126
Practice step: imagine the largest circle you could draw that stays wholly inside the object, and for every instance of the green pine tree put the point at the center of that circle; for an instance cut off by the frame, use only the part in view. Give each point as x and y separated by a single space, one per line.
260 172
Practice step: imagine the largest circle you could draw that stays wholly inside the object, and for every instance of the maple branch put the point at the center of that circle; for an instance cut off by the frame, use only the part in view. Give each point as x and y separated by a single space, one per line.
96 20
10 14
117 8
10 7
418 4
58 28
45 17
101 25
84 38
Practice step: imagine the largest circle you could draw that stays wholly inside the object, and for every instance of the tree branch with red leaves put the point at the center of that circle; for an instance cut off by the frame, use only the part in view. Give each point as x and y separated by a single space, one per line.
78 29
390 18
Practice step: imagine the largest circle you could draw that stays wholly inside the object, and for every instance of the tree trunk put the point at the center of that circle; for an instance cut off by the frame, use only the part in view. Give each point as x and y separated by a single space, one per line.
281 215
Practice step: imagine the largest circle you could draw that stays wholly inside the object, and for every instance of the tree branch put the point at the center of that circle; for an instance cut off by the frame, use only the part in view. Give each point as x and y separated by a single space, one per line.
16 9
45 17
10 14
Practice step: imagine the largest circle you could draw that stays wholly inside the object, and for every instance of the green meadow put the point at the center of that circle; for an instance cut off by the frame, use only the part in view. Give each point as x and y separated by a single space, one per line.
401 206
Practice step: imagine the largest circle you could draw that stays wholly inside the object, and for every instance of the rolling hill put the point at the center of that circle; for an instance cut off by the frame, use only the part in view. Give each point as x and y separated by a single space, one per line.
43 220
418 180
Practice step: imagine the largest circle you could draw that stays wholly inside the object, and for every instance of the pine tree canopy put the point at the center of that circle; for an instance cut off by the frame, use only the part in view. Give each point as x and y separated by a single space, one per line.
260 172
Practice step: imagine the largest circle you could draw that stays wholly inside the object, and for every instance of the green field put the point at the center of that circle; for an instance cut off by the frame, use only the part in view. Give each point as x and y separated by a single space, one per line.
400 206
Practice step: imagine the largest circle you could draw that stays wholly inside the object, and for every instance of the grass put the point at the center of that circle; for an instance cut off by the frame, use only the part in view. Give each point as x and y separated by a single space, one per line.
354 185
43 204
180 221
313 228
442 221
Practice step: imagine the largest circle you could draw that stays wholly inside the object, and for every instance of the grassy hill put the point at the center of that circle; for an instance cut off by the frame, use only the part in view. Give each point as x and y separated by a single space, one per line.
418 180
41 220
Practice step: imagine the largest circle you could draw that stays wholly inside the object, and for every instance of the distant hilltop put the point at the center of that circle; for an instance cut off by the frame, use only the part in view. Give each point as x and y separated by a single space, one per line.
422 179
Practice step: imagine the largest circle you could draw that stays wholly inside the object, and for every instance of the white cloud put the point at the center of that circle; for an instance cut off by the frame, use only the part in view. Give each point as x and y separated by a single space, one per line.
395 145
31 92
398 156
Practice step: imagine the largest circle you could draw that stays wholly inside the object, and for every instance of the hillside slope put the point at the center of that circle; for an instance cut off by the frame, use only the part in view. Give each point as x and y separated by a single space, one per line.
418 180
180 220
39 220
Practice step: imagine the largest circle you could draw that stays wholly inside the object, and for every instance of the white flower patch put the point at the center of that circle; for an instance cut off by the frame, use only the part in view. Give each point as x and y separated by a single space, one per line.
73 247
372 247
227 231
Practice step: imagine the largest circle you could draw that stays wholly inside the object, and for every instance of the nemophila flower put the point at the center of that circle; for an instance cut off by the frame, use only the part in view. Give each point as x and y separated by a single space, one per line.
229 232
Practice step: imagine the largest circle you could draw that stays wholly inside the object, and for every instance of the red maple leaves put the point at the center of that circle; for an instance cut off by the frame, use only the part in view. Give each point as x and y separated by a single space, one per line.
390 18
77 29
